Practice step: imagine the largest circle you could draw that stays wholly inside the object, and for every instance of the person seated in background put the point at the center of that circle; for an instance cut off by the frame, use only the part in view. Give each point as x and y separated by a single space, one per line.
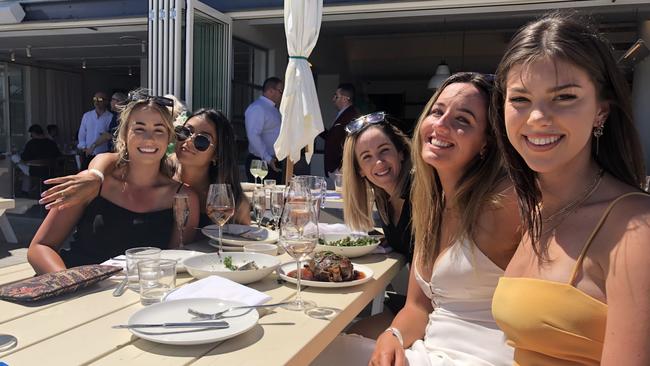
39 147
53 134
134 205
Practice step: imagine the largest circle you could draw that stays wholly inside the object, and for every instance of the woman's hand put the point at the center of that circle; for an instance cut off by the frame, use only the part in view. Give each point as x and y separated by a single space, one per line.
387 352
71 190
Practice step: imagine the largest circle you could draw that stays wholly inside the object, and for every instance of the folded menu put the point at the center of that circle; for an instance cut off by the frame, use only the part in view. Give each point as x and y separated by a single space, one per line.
219 288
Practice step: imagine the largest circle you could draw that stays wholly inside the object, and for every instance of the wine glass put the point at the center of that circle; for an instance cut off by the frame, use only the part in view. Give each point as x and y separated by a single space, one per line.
256 165
220 206
263 170
317 187
298 237
277 204
181 212
259 204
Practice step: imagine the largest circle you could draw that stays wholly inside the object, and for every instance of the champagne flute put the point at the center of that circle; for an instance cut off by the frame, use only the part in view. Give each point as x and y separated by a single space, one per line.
256 165
259 204
181 212
220 206
298 236
277 204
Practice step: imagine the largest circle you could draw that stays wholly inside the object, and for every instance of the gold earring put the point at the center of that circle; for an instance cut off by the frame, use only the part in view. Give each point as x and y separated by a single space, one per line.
598 131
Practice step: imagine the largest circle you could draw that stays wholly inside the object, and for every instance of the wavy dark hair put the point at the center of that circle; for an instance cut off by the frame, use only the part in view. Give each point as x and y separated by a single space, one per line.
572 38
476 187
226 169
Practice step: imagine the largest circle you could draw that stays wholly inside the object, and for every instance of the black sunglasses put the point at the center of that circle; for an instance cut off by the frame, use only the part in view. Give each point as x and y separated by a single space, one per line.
201 141
142 97
364 121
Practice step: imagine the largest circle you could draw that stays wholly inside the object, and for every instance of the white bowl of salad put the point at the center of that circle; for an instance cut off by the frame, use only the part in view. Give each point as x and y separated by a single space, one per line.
351 246
236 266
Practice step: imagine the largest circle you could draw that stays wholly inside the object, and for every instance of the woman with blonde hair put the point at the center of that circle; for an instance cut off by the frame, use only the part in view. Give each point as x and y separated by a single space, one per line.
377 171
577 291
134 204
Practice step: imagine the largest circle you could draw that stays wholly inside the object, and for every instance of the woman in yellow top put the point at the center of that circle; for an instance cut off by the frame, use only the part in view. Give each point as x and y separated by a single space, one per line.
577 291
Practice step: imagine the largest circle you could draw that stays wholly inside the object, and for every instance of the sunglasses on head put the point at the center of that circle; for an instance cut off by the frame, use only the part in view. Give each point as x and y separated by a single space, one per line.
142 97
364 121
201 141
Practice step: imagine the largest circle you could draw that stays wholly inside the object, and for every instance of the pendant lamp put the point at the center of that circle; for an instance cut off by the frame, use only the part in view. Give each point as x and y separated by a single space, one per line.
442 73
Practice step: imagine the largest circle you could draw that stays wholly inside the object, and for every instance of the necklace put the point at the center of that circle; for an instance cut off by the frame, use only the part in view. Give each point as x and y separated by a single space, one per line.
568 209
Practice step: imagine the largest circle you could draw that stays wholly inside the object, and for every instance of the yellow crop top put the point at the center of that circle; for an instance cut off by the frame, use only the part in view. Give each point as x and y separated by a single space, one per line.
552 323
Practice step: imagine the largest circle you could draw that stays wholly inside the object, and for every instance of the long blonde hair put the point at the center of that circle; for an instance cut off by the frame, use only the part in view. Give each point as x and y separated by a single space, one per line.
123 128
475 187
358 192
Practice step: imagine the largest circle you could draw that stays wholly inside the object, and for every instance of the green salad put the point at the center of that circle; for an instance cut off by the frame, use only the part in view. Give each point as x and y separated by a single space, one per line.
350 242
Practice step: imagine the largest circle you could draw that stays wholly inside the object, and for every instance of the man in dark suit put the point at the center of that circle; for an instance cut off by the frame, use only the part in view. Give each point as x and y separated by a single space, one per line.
335 137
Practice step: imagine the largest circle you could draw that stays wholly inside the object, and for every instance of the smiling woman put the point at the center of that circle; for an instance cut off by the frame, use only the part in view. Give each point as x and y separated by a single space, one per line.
134 205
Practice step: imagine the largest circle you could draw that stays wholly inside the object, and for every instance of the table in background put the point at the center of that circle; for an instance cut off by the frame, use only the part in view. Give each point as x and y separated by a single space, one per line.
5 225
76 328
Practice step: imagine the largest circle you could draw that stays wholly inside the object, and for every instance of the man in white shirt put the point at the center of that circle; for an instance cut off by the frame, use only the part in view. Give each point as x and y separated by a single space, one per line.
263 120
93 124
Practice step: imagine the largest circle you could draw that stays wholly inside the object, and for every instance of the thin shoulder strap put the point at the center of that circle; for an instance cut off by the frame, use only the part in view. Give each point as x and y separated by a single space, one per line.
179 187
578 264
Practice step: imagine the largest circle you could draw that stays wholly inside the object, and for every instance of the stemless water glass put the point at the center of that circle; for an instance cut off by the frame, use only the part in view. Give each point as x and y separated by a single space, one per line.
298 237
256 165
259 204
277 204
220 206
133 257
181 212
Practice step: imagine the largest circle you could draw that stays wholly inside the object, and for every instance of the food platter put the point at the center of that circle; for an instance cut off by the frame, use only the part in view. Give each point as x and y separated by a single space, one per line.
285 268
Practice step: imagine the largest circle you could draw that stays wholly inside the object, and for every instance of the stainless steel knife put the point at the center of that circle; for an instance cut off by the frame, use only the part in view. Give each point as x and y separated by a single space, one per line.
216 325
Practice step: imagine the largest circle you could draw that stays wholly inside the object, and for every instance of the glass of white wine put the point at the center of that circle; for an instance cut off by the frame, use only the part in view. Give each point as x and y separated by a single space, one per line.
263 170
181 212
220 206
298 236
256 165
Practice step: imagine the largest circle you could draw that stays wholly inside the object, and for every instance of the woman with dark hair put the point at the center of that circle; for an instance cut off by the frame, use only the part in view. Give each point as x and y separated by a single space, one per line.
577 291
205 154
466 229
134 205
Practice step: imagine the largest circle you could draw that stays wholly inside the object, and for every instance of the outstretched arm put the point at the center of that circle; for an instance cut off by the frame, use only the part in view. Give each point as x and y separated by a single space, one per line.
80 188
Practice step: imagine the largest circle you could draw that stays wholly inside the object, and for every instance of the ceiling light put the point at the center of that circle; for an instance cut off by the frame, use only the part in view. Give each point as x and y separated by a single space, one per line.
83 64
130 71
13 56
442 73
28 51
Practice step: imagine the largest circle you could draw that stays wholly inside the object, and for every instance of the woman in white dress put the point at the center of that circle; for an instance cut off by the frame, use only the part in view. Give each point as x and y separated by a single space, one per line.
466 227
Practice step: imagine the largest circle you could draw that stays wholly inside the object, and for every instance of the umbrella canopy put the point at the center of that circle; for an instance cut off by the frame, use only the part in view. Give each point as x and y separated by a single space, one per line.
301 117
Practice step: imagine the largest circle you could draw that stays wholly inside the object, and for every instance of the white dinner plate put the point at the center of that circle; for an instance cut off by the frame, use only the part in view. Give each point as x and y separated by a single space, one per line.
258 235
291 266
178 255
176 311
226 248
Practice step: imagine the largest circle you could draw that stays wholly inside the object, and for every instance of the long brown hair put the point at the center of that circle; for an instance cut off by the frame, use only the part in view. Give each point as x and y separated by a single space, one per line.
574 39
475 187
359 192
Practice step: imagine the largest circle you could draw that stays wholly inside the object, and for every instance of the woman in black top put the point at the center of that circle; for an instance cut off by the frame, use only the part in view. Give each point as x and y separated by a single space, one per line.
133 207
376 171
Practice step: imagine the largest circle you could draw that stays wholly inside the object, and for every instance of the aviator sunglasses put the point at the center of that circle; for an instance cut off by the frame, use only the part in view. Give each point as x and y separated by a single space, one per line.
201 141
364 121
143 97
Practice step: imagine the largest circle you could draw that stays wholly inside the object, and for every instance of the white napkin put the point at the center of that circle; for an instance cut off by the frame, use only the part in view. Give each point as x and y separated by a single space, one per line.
382 249
333 229
219 288
119 261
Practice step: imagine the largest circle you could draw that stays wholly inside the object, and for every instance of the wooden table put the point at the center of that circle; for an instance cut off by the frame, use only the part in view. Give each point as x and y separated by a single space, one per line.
76 329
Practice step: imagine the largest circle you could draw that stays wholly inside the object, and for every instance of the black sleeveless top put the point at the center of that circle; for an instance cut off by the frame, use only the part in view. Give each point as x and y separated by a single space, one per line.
399 236
106 230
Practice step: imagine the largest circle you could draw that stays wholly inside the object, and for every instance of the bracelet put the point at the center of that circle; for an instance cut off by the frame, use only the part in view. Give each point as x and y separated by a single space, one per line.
97 173
397 334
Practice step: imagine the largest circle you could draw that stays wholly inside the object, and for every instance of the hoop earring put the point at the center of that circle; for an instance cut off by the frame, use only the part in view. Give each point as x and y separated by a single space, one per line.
598 131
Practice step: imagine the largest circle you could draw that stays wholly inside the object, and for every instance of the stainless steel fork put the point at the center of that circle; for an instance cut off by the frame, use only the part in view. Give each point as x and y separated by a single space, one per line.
219 314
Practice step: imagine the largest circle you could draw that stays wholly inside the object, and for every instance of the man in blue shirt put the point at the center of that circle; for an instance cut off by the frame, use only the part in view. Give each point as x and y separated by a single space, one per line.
93 124
263 120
